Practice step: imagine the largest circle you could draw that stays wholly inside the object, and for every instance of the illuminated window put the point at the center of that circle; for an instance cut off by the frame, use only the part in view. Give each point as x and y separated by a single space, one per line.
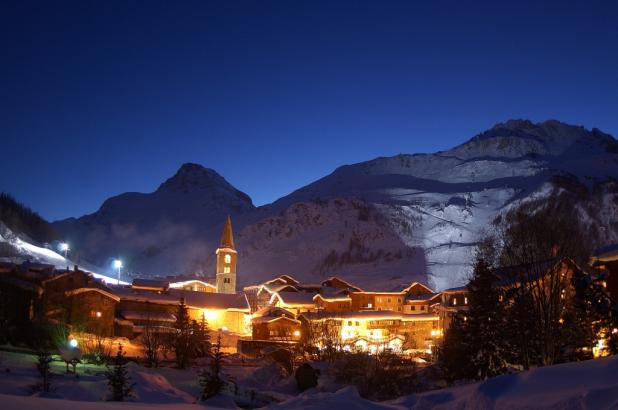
465 301
454 301
226 269
227 258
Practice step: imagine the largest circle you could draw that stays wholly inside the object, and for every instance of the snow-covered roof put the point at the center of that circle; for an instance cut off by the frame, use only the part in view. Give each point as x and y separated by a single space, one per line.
273 311
85 290
369 315
421 297
146 315
150 283
272 319
606 254
193 299
295 298
183 283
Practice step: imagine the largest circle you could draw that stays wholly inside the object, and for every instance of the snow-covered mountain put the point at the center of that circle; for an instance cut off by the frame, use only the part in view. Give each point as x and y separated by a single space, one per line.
378 223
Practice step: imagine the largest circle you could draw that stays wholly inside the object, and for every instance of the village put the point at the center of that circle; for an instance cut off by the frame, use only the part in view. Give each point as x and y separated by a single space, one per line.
258 319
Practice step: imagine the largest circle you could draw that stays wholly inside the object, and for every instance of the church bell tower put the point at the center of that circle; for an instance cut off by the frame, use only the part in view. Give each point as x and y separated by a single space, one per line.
226 260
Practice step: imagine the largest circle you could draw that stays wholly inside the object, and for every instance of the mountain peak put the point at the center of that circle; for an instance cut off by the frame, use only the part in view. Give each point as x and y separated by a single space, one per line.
193 177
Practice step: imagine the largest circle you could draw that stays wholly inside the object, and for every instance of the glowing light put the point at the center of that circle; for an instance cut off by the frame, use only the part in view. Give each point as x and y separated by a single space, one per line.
98 314
73 343
615 330
210 315
224 329
117 263
64 247
297 333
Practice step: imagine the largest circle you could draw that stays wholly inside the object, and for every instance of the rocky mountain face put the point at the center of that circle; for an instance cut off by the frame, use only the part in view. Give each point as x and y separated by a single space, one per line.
378 223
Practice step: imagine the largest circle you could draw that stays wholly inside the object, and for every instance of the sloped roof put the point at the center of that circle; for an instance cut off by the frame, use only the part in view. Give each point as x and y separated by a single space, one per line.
272 311
85 290
421 296
151 283
194 299
145 315
227 236
271 319
369 315
295 298
182 283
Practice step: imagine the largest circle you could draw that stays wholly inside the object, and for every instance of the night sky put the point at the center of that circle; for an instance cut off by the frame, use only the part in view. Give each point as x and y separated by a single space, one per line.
102 97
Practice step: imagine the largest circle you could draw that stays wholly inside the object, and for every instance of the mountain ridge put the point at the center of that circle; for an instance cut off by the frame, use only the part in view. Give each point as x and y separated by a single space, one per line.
426 209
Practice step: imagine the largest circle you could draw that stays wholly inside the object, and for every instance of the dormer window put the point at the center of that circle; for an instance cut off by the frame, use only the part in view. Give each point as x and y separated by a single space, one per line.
227 258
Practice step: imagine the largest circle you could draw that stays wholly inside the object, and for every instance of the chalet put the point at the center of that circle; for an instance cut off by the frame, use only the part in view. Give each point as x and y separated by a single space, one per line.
222 310
606 259
296 302
373 330
275 324
393 300
91 310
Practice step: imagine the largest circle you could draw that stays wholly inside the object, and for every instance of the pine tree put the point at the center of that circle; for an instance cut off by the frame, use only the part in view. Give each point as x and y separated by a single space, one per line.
589 317
211 379
182 338
485 323
200 338
118 378
44 360
454 353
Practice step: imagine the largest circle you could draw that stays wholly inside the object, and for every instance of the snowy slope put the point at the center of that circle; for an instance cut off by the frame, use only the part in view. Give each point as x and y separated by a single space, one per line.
378 223
21 250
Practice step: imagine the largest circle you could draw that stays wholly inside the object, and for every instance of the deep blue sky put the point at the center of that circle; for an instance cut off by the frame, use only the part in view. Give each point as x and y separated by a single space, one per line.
102 97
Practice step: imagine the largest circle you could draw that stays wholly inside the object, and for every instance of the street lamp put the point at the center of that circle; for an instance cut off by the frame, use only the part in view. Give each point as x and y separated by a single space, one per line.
64 247
118 265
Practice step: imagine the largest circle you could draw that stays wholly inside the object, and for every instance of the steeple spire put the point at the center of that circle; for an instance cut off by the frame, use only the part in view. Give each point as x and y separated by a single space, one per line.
227 237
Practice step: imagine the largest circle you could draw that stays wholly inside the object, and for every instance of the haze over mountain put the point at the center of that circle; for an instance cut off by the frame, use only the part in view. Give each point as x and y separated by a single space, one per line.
378 223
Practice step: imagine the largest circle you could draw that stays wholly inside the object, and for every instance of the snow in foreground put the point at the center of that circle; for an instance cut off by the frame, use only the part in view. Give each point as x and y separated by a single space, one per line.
584 385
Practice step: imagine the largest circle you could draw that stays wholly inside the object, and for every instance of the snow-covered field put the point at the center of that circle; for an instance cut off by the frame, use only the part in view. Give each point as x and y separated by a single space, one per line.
585 385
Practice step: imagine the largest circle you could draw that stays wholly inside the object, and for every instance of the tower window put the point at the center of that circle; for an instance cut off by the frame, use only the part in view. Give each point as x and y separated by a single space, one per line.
226 269
227 258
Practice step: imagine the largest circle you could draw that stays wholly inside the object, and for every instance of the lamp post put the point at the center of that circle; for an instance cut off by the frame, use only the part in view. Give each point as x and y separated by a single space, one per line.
64 247
118 265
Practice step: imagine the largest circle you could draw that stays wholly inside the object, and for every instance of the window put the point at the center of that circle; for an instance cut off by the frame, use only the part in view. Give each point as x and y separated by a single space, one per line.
226 269
356 323
389 300
413 308
227 258
349 323
227 280
422 307
465 300
454 301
